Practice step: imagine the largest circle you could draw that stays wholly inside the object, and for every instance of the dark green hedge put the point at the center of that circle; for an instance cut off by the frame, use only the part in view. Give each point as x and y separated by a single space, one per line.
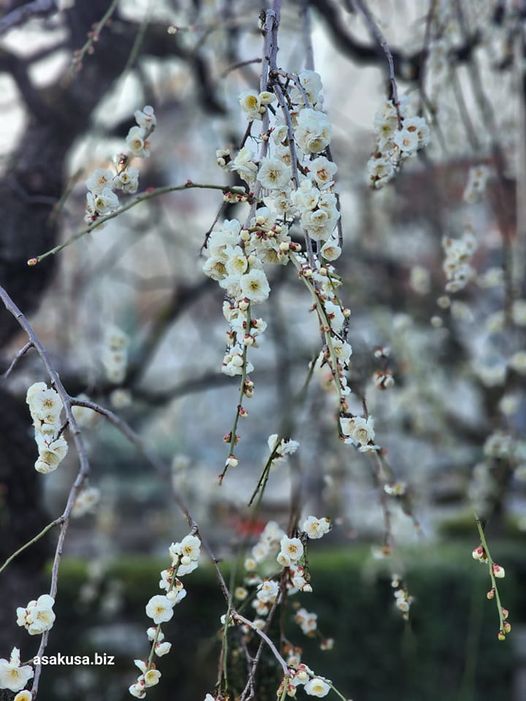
447 652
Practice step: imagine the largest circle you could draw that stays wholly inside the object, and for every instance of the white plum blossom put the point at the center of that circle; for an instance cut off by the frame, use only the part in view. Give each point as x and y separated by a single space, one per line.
273 174
322 171
399 135
13 676
313 131
317 687
311 89
316 527
138 143
45 407
291 550
50 454
127 180
101 199
243 164
360 432
254 286
146 118
38 616
23 696
99 180
159 608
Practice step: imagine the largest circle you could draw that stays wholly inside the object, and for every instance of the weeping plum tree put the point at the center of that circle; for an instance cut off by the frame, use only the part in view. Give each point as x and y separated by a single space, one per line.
417 225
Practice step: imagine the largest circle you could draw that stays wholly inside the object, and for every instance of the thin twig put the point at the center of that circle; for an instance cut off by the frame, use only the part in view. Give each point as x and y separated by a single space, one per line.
143 197
384 46
19 354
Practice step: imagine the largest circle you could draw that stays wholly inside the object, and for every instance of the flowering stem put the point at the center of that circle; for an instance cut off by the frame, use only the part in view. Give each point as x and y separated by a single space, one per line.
158 629
233 432
484 544
143 197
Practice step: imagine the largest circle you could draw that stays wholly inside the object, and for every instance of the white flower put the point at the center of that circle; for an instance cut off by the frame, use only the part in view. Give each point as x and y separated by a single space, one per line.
137 142
360 431
292 548
12 675
313 131
178 594
251 105
273 174
322 171
268 591
152 632
331 250
254 286
342 350
407 141
306 196
38 616
137 690
160 609
243 164
151 677
418 125
380 171
99 180
127 180
162 648
317 687
44 403
103 202
316 527
312 87
209 697
50 454
237 262
146 118
23 696
189 547
335 316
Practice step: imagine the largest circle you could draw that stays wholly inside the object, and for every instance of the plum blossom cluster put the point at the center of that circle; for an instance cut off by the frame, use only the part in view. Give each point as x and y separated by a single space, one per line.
101 198
289 552
458 253
45 407
359 431
291 181
300 675
254 104
115 354
14 676
38 616
403 600
160 608
399 135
